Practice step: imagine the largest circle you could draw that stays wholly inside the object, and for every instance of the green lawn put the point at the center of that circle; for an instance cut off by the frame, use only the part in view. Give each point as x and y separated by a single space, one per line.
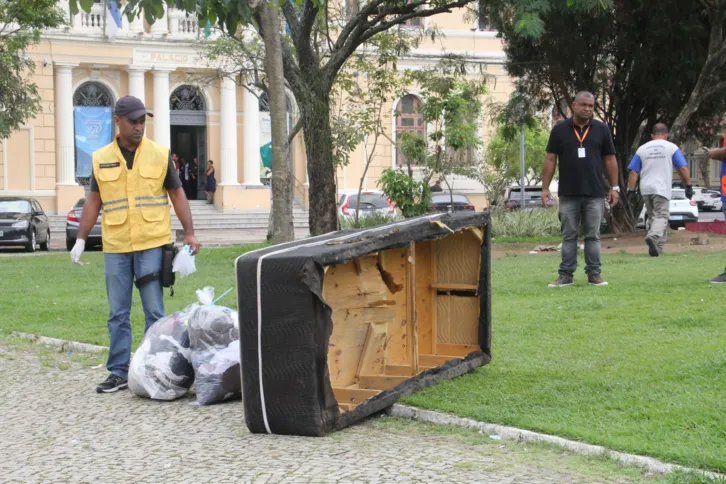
49 295
638 366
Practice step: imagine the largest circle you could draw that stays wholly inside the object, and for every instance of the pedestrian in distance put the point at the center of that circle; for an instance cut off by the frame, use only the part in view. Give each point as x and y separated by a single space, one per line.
720 154
177 164
653 163
583 149
211 185
133 179
194 177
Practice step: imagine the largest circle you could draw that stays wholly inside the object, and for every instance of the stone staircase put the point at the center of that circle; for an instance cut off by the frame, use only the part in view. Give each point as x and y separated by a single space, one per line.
214 227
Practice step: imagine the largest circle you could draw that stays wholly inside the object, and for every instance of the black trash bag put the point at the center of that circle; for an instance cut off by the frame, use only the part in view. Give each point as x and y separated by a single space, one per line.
161 368
214 339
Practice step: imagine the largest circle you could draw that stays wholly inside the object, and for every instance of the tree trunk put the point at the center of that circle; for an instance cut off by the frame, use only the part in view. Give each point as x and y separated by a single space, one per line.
707 77
315 112
678 130
282 223
704 164
621 216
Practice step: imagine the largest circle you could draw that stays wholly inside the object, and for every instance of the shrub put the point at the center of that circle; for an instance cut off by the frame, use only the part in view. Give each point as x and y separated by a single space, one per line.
520 223
367 220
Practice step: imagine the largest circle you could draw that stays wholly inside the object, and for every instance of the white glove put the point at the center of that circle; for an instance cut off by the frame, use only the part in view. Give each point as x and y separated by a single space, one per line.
77 251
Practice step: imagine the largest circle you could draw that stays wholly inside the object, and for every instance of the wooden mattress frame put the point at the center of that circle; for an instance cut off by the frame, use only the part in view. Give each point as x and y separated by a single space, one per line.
399 312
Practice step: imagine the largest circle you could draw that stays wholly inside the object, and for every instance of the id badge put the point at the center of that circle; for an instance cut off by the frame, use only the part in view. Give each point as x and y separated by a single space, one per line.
580 152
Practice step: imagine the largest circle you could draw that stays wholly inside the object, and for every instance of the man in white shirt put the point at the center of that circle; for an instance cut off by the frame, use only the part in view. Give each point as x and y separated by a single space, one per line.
654 162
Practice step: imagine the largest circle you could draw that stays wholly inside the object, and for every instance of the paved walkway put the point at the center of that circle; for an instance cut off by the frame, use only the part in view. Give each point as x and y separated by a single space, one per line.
55 428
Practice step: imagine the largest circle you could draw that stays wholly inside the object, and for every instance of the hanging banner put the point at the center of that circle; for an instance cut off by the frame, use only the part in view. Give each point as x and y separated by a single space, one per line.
94 130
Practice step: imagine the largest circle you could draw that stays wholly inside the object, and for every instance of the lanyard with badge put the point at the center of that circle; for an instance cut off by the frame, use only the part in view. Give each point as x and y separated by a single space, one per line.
581 139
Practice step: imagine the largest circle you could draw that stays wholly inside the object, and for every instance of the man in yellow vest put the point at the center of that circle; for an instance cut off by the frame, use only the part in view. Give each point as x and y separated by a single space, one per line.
133 180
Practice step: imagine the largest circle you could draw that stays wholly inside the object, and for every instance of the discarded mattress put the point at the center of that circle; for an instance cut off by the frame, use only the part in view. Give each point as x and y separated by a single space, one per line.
340 326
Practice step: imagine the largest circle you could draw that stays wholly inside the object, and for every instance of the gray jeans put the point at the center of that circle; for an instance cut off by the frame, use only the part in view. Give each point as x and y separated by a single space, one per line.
657 209
589 212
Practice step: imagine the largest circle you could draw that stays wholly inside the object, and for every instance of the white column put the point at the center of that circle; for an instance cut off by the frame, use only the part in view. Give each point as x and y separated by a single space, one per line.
160 28
162 118
137 83
136 26
252 138
174 15
228 122
65 8
65 141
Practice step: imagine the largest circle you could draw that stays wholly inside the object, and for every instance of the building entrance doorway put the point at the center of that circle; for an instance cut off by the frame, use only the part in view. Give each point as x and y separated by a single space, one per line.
189 135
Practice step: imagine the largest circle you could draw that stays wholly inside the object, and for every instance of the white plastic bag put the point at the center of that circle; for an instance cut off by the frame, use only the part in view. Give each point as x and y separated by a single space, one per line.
215 355
205 296
184 262
161 368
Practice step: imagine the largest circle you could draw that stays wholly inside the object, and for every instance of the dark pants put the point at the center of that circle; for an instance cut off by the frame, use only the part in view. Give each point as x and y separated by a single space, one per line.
187 186
589 212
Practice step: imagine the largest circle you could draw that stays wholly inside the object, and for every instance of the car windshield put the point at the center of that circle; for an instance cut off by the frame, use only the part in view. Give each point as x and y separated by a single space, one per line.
447 199
679 195
79 203
368 200
529 193
14 206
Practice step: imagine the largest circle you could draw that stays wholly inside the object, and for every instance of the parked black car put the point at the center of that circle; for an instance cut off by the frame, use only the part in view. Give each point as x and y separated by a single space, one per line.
23 223
73 220
441 202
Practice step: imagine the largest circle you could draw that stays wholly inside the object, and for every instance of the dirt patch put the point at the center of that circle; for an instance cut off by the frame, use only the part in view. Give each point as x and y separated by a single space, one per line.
678 241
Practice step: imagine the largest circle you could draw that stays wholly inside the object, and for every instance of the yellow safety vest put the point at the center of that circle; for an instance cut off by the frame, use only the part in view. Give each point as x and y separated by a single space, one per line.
135 204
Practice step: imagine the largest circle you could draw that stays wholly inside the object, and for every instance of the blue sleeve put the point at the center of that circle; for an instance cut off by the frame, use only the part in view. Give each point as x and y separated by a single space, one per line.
679 161
635 163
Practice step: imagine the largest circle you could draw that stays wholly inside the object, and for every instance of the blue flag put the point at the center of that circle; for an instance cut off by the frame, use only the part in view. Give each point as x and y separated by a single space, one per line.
113 18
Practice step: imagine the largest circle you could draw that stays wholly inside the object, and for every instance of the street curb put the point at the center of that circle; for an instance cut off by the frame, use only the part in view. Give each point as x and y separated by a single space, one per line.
511 433
63 345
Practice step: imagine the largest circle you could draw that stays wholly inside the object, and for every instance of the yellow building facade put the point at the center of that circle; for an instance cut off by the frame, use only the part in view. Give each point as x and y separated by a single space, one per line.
79 67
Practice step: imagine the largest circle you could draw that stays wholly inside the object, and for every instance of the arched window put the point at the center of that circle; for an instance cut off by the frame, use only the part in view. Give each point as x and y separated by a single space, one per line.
409 120
92 125
187 98
93 94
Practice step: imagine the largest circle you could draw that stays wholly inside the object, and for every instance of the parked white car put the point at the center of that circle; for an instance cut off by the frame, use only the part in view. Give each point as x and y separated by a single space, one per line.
712 202
682 211
702 197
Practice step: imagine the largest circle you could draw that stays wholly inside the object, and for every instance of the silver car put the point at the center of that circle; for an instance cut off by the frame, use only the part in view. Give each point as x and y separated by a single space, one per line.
73 220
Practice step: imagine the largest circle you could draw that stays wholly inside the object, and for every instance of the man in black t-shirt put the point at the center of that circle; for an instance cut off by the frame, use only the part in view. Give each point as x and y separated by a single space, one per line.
584 150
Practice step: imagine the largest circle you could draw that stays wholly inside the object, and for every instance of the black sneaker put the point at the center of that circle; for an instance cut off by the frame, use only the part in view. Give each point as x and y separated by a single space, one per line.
652 247
719 279
112 384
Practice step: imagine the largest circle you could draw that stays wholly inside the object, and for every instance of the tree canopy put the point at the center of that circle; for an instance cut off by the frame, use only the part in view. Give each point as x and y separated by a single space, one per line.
641 65
21 24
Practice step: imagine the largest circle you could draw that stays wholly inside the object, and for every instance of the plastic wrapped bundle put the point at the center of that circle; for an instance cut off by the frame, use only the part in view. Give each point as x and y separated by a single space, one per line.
214 339
161 368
